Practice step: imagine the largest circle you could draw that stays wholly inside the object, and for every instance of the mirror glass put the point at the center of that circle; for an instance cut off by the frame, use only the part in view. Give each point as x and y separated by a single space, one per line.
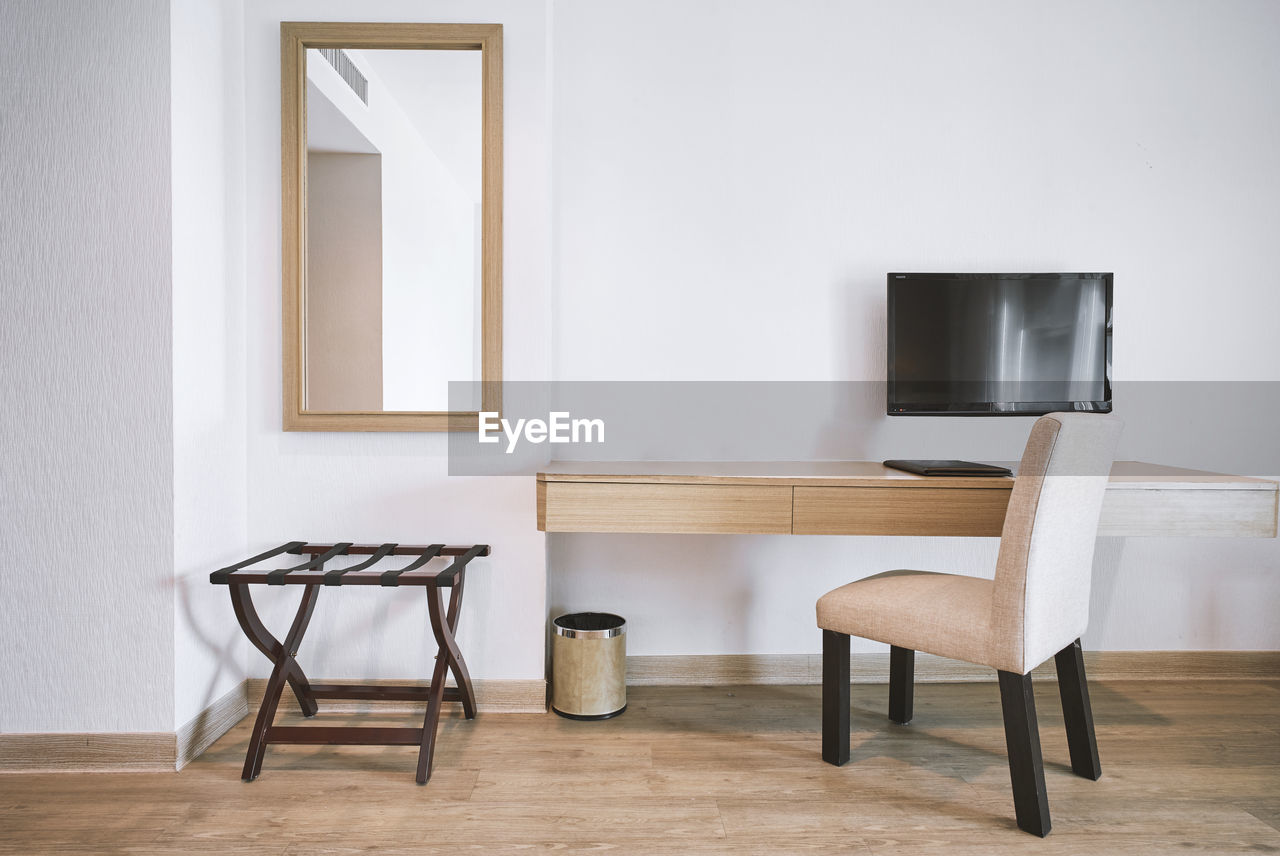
391 308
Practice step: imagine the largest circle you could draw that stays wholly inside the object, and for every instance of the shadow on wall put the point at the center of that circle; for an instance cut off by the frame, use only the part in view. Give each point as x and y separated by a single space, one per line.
221 648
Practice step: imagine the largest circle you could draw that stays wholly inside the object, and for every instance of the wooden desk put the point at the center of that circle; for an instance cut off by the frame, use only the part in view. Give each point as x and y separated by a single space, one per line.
867 498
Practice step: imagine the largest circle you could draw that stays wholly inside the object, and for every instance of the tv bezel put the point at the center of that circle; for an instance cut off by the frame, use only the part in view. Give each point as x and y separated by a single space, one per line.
992 408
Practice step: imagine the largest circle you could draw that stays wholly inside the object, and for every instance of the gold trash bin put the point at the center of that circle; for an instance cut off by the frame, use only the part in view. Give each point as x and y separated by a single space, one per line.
589 665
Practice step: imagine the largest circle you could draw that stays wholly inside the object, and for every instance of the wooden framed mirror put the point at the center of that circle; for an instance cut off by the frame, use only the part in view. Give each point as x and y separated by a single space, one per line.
391 142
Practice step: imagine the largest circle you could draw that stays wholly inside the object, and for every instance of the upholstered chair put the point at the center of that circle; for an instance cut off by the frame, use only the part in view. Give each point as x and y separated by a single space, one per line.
1037 607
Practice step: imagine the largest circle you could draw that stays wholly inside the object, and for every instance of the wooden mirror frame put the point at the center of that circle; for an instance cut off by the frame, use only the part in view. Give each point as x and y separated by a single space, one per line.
295 39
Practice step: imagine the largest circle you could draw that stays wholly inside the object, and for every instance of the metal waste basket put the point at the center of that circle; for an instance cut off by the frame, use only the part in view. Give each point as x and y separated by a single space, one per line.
589 665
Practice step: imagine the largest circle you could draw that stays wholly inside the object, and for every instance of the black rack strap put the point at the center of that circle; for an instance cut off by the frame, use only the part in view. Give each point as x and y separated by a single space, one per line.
461 562
223 575
367 572
276 577
392 578
334 577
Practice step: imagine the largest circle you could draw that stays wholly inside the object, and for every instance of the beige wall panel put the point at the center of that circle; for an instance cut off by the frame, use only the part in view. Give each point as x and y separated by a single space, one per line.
344 282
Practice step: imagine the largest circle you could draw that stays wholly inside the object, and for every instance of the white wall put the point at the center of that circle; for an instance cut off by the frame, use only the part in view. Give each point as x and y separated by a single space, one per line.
395 487
210 492
86 478
727 195
761 166
731 189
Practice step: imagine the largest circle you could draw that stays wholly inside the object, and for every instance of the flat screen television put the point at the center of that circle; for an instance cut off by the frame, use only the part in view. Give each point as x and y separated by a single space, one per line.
999 344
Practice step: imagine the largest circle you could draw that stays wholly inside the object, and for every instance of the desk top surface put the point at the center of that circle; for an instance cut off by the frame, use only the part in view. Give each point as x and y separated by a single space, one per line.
1134 475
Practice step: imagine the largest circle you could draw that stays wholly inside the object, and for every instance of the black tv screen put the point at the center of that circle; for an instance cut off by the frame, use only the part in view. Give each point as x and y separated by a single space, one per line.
990 344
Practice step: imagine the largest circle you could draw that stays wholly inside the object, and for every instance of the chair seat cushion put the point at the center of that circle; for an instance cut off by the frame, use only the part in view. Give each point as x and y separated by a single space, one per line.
944 614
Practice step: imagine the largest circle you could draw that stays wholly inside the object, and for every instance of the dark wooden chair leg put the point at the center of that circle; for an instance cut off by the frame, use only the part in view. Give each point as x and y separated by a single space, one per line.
902 667
835 697
1026 768
286 669
1081 739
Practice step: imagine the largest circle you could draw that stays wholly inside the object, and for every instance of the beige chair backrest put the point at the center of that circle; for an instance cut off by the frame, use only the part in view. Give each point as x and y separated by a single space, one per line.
1041 600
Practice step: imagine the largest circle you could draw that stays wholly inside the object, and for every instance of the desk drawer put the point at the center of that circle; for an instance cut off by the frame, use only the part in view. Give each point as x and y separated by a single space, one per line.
670 508
899 511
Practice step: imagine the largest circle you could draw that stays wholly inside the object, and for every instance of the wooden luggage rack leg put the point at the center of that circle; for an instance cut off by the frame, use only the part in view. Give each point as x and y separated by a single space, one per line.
443 626
286 668
286 671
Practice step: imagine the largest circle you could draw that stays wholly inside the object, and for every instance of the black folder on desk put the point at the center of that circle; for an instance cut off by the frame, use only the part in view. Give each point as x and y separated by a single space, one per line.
948 468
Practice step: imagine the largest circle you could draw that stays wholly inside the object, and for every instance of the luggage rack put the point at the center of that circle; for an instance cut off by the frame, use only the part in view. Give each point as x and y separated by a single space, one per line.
312 575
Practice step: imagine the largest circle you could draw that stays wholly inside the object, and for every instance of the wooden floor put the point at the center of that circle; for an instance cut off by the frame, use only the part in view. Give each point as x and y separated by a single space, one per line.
1187 768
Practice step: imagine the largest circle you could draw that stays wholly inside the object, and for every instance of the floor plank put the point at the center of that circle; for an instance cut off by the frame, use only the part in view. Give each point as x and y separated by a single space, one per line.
1187 767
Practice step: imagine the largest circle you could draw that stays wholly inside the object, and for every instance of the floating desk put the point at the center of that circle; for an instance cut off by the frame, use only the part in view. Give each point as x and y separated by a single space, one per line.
867 498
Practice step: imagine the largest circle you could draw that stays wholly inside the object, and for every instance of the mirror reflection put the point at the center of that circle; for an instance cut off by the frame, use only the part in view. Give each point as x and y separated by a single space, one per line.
393 190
